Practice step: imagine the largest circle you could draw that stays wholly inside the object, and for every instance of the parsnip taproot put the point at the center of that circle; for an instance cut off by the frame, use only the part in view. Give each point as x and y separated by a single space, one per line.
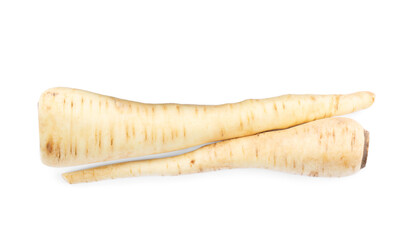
331 147
80 127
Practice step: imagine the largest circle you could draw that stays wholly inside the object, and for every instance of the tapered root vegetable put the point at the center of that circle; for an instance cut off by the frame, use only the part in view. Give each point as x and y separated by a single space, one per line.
330 147
79 127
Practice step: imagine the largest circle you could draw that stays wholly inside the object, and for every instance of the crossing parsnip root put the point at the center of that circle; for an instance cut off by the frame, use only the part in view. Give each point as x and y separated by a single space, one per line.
79 127
331 147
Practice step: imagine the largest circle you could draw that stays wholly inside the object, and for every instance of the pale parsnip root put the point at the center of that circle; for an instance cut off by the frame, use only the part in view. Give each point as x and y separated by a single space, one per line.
79 127
330 147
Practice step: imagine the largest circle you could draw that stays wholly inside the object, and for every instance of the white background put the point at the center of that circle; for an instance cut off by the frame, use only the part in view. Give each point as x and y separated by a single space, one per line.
206 52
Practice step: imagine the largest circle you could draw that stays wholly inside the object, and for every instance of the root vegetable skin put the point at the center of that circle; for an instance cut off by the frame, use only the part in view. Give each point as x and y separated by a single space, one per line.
332 147
79 127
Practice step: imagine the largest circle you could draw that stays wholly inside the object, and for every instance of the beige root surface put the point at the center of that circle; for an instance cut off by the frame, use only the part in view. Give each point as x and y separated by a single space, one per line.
331 147
79 127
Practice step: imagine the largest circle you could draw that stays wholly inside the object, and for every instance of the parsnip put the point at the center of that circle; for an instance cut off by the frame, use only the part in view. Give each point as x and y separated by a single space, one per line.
331 147
80 127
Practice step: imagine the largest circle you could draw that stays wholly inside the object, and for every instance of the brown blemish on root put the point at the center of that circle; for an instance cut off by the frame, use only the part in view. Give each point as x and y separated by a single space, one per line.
184 132
52 93
283 106
337 103
174 134
49 145
56 149
72 104
133 130
193 161
179 168
345 162
313 98
241 125
196 110
365 149
145 135
95 136
257 152
153 110
353 142
314 174
274 106
178 110
99 139
222 132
